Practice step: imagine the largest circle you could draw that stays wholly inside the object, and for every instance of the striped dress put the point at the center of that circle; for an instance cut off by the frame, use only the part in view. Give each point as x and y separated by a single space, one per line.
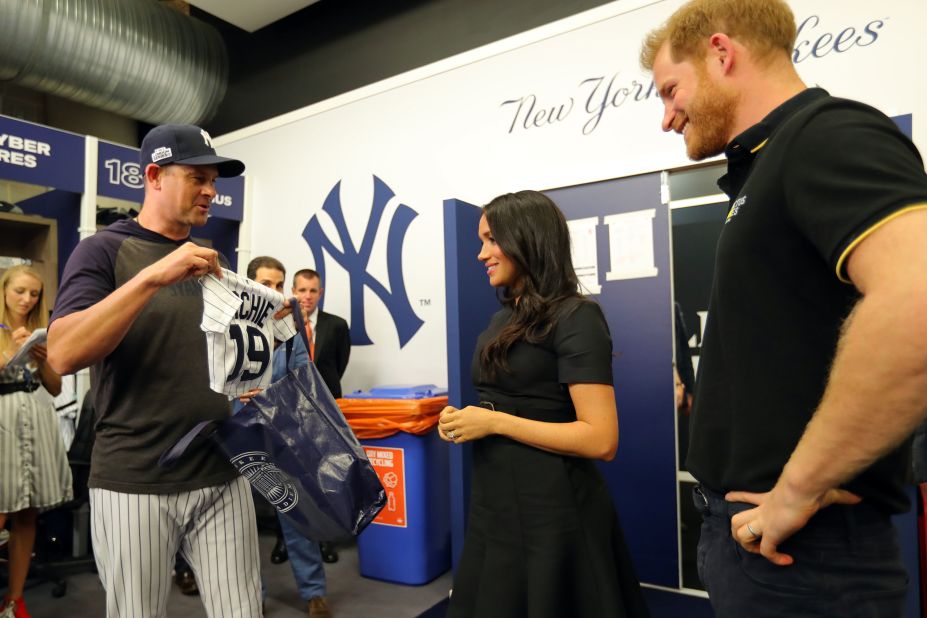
34 471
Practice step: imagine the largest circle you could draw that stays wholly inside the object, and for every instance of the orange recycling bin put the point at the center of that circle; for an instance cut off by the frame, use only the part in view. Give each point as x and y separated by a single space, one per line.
409 542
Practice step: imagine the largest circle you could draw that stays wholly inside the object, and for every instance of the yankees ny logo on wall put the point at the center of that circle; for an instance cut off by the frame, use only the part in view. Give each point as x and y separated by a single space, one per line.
356 260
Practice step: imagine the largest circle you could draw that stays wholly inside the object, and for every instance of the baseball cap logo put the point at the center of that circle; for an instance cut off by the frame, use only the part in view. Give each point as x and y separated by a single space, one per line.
160 154
206 138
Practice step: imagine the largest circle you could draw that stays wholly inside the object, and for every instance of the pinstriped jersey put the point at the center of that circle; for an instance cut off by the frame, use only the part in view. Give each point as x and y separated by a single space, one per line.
238 319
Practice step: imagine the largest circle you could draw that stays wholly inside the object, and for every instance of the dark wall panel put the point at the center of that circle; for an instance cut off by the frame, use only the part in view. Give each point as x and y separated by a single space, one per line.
642 478
335 46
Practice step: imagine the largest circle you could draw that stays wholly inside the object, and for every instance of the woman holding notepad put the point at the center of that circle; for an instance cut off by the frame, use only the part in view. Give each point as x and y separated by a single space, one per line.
34 472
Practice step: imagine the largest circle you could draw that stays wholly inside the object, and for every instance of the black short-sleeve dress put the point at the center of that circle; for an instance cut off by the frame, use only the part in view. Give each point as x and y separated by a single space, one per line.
543 538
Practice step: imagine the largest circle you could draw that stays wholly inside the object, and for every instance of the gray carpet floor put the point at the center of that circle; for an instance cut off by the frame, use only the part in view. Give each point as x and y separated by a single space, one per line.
349 594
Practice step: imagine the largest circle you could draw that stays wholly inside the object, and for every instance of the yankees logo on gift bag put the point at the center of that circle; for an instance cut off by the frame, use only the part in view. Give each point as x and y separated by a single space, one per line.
293 445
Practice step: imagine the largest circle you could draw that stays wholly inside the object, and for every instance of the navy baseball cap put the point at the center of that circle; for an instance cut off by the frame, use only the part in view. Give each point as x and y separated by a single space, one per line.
187 144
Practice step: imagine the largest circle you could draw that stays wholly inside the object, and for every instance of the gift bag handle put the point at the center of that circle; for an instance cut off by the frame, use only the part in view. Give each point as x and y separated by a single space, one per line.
170 456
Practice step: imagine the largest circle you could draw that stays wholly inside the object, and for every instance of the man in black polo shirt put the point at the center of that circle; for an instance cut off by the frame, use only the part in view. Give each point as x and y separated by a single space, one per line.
814 370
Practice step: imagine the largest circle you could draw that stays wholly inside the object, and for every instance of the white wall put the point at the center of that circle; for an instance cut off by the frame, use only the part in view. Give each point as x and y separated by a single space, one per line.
445 131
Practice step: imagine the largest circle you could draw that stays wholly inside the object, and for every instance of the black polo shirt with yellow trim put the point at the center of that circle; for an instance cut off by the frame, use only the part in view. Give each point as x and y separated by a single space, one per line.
806 184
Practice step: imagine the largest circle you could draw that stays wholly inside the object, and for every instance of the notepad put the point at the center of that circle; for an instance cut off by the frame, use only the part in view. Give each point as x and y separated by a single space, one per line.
38 337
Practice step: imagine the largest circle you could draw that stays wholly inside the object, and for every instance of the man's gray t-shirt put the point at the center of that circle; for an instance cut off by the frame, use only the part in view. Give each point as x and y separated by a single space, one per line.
154 386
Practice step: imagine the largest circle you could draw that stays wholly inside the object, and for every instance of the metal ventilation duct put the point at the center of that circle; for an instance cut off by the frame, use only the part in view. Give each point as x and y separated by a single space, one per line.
132 57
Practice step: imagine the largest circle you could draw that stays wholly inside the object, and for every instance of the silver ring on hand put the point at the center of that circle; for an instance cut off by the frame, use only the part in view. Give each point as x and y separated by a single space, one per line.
451 435
753 532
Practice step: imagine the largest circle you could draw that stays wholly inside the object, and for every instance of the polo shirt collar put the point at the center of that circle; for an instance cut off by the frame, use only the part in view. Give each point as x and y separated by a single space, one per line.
751 140
741 150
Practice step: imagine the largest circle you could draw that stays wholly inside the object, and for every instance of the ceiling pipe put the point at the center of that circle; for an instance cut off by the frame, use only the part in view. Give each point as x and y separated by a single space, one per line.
135 58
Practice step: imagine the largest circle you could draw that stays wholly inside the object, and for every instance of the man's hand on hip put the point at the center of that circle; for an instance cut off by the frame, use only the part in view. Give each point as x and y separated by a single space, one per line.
779 514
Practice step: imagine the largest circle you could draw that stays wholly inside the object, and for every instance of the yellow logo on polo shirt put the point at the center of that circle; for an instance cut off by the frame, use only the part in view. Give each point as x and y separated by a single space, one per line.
735 207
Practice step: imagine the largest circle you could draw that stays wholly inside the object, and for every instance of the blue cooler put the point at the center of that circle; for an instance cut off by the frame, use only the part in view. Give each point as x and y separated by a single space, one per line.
410 541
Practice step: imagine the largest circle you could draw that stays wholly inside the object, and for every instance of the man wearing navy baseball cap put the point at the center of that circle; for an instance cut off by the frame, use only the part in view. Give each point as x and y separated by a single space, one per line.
180 167
130 307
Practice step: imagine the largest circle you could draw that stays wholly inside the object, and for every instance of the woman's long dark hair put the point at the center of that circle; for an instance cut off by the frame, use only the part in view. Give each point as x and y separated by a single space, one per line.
532 232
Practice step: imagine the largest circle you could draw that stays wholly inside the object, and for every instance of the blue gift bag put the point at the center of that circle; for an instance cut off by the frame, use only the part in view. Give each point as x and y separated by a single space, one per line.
292 444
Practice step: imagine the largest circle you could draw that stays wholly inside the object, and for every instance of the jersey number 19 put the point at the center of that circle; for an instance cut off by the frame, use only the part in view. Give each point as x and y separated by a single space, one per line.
257 351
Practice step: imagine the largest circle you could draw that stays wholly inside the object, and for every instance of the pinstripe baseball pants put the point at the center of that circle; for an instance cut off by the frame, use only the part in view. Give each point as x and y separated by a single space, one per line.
136 536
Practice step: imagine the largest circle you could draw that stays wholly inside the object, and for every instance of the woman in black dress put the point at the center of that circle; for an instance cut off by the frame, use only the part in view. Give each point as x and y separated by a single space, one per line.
543 537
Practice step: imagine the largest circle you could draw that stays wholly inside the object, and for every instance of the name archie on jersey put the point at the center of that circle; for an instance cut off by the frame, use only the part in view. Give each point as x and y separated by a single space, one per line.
254 309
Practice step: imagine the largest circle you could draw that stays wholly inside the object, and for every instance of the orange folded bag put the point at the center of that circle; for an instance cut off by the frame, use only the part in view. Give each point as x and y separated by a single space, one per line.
381 418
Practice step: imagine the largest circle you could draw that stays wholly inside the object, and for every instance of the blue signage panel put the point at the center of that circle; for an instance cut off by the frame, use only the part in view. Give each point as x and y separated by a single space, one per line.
471 302
119 175
905 123
42 156
627 268
229 202
906 523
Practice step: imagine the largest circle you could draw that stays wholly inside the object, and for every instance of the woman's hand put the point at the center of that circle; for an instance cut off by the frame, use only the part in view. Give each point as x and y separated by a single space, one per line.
19 337
594 433
39 353
470 423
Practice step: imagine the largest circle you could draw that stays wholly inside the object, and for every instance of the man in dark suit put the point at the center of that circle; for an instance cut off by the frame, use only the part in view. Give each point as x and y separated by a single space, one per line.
328 334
